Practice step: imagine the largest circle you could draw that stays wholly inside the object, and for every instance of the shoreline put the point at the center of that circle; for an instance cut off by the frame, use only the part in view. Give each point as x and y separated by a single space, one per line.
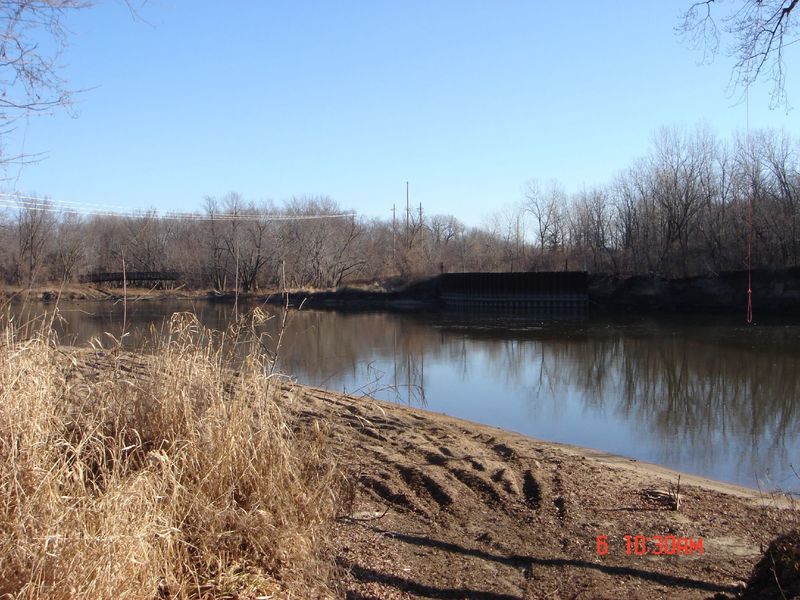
608 459
775 293
446 507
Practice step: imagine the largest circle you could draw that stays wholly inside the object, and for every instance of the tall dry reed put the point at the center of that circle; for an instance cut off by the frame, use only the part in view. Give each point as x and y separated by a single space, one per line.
159 475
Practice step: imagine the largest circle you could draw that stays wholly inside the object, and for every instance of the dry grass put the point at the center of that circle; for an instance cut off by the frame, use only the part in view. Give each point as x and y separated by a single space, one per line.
167 476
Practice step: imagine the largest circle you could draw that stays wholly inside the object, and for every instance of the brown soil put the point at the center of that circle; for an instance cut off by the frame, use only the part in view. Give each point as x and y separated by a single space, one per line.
80 291
353 296
444 508
50 293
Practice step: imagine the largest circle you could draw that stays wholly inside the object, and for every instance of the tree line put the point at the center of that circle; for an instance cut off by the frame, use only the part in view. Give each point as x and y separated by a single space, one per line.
689 207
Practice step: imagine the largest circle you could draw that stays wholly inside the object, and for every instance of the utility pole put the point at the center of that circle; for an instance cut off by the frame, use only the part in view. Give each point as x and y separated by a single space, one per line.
236 292
421 231
394 239
408 218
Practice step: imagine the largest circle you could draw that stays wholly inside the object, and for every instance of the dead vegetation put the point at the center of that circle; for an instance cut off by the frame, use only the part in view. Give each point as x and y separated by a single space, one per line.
161 477
777 574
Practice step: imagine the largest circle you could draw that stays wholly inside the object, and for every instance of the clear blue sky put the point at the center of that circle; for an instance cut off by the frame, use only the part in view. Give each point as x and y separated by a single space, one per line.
466 100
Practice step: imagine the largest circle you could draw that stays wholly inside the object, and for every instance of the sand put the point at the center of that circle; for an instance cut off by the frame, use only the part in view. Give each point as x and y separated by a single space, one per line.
445 508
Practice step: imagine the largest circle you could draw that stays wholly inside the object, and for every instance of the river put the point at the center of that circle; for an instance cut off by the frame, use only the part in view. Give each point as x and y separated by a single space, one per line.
710 396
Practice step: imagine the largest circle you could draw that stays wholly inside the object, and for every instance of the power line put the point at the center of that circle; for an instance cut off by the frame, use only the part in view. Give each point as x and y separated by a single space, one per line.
19 196
18 201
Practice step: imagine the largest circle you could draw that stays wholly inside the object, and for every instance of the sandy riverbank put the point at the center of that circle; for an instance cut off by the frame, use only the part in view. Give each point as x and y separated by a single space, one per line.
80 291
445 508
352 298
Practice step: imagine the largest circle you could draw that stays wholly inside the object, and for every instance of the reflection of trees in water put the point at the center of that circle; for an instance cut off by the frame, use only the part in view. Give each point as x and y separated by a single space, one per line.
704 395
697 394
699 398
383 353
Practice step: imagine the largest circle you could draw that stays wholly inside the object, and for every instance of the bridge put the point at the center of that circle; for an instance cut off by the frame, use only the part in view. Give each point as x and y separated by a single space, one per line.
133 278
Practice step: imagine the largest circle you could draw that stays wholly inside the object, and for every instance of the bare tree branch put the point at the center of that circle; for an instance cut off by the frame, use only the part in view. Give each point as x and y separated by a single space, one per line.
29 71
760 30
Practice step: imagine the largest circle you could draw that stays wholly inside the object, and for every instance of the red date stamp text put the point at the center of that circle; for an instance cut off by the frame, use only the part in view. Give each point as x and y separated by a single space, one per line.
641 545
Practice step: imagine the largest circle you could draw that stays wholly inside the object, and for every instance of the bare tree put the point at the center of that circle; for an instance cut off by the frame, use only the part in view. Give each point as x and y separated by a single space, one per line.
761 30
187 252
145 241
444 232
70 246
629 192
35 223
7 243
256 252
679 163
320 252
215 263
780 158
718 218
29 69
534 203
104 234
507 229
548 211
590 229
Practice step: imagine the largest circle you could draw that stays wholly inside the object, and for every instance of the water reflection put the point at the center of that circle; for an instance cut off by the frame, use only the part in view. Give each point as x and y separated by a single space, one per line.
709 397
